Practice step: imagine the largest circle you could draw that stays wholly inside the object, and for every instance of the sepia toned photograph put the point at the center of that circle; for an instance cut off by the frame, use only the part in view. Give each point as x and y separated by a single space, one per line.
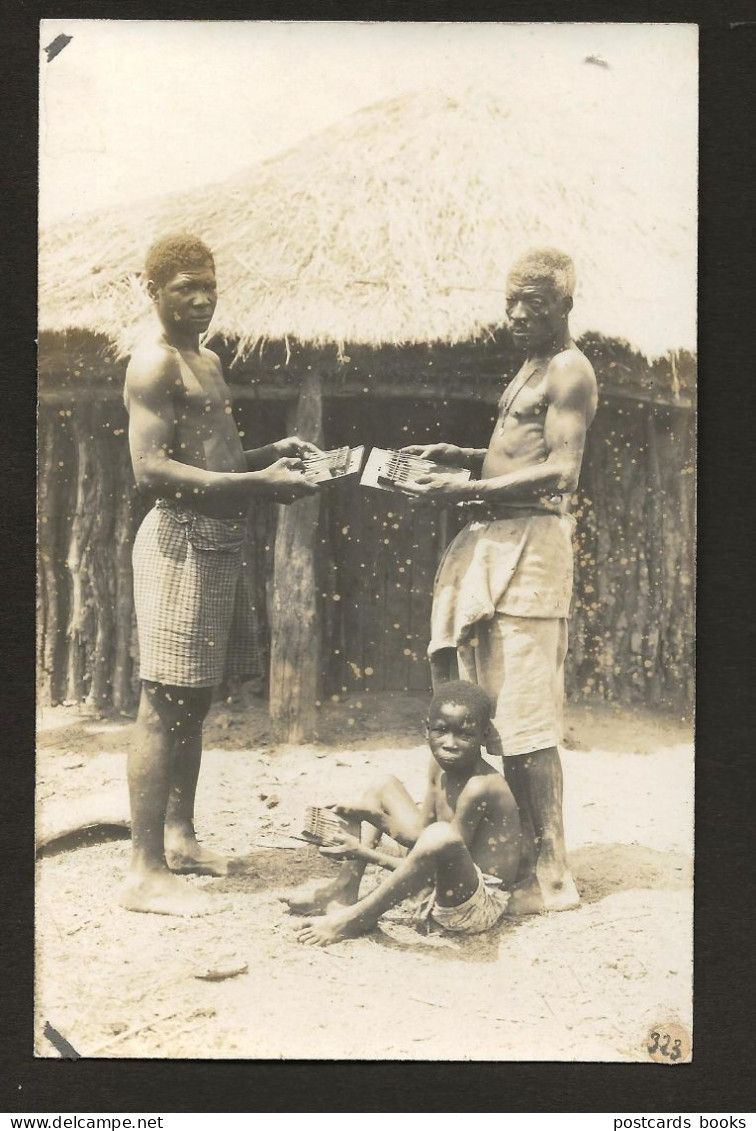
366 541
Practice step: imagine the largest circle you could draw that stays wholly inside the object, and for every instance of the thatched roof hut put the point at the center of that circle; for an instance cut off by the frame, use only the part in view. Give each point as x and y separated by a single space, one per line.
371 260
397 226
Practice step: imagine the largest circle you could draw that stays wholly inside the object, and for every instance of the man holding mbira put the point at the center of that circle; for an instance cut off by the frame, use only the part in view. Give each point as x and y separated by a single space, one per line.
502 592
193 616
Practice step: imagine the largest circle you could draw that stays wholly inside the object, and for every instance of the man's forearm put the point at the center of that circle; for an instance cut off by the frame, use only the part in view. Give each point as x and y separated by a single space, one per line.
185 483
526 485
259 458
472 458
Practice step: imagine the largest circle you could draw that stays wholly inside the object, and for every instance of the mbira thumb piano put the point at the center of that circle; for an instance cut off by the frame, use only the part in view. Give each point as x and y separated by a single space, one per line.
391 470
333 464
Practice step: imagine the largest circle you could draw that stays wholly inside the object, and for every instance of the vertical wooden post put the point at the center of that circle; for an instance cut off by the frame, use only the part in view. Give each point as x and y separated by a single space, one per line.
124 600
654 627
49 627
100 558
295 631
79 633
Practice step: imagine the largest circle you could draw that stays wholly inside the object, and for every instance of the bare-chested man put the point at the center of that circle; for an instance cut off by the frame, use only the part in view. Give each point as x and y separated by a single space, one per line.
502 592
193 614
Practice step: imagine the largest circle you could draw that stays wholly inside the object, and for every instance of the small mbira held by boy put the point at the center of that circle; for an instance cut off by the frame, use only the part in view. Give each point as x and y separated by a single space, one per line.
464 838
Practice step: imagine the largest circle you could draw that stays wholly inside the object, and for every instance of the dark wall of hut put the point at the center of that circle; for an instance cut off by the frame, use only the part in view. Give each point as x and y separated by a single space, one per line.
632 626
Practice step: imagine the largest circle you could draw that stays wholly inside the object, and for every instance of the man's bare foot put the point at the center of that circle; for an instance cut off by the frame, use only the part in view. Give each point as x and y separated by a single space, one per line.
321 898
195 860
329 929
163 894
559 894
531 897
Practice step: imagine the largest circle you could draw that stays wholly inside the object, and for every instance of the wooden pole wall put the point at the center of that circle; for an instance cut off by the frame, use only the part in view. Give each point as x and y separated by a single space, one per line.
88 513
632 626
355 580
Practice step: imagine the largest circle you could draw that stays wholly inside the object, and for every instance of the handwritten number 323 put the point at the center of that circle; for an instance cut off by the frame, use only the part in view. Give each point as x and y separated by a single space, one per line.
676 1052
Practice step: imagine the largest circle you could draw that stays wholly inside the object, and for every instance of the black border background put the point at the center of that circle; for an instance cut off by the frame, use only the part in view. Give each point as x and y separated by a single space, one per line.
718 1081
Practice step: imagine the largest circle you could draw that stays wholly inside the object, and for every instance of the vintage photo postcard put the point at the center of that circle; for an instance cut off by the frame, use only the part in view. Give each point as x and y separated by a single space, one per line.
325 771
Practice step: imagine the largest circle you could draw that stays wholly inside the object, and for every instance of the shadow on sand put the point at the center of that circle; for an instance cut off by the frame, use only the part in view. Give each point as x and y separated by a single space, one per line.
605 869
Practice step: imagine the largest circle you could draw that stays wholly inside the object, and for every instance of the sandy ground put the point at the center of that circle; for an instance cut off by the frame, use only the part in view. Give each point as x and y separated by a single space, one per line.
589 984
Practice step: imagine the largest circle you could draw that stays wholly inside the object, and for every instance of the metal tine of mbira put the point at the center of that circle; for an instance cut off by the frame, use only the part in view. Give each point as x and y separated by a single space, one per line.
400 468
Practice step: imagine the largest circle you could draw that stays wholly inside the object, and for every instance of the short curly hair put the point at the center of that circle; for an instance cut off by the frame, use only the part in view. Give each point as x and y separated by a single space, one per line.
463 693
546 264
173 253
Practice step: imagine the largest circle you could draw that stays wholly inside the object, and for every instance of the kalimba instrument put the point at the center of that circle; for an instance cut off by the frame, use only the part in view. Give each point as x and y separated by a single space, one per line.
333 464
320 825
392 470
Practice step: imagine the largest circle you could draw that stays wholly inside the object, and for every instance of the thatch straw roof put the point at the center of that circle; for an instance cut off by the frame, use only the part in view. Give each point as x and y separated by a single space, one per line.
398 225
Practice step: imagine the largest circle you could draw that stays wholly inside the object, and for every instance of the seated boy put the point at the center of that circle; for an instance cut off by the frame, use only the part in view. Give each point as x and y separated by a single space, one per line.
467 825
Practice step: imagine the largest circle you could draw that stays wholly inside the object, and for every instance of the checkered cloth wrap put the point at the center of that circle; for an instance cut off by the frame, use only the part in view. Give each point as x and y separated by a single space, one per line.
194 604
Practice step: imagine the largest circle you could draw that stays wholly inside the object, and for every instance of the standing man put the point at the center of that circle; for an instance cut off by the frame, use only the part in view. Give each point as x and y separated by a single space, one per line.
502 592
193 614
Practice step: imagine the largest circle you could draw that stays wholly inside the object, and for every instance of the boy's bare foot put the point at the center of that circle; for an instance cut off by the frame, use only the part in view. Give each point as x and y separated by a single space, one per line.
559 894
317 900
526 899
329 929
200 861
163 894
